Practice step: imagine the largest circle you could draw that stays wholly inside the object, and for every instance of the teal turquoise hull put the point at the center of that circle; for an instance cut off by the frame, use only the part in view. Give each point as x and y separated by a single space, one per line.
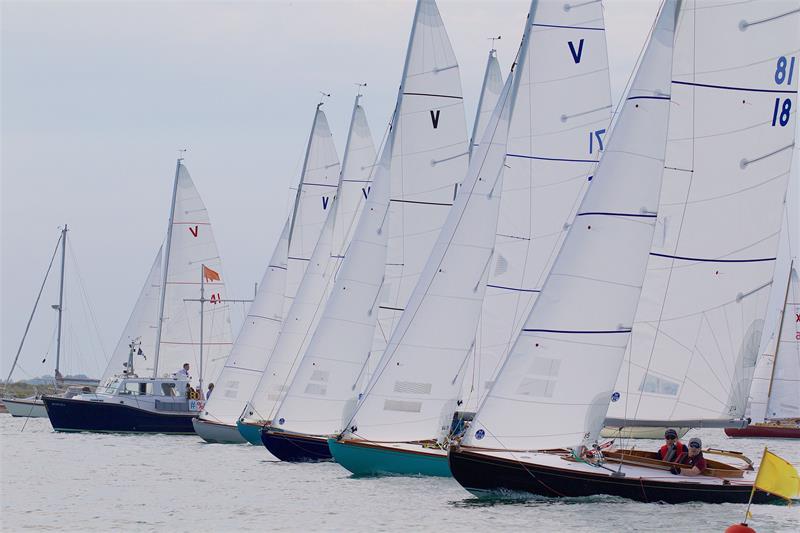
251 433
364 460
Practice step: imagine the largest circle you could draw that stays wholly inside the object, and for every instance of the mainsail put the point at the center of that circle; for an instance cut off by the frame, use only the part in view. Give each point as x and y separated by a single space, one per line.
424 157
306 310
561 112
141 326
261 327
417 383
554 387
190 246
698 327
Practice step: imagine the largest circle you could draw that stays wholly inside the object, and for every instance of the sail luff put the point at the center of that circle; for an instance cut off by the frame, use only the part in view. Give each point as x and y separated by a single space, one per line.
167 249
303 173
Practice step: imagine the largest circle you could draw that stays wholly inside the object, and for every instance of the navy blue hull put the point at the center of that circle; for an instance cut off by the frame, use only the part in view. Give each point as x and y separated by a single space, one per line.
485 475
294 448
83 415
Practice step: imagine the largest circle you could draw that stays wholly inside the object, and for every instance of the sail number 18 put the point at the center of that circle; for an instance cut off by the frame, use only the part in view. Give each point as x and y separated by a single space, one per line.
784 72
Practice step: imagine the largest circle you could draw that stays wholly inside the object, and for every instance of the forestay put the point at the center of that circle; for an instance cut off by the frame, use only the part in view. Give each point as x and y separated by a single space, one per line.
699 324
141 325
308 305
554 387
560 116
261 327
417 383
192 246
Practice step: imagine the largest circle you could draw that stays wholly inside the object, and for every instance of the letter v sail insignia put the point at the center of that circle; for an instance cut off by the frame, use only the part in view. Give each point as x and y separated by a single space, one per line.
576 56
435 118
194 230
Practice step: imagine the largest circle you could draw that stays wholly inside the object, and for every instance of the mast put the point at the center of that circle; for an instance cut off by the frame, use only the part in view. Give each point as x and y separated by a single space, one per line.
475 132
60 307
303 173
202 317
164 273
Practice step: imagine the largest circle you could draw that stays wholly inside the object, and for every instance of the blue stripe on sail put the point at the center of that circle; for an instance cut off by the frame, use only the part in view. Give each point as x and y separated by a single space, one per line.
649 97
321 184
602 213
511 288
300 258
278 267
706 260
357 181
567 27
553 158
732 88
581 332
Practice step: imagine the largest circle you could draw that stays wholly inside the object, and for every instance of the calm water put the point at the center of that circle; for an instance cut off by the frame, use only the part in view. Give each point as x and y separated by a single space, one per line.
70 482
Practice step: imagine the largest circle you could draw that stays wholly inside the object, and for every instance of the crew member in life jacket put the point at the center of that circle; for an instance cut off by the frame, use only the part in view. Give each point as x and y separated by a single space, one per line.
693 459
672 448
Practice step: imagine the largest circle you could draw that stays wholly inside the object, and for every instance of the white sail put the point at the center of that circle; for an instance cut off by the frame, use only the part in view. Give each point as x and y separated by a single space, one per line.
309 303
775 391
490 93
141 325
424 157
561 113
429 158
192 246
319 181
555 384
417 383
784 397
698 328
261 327
334 367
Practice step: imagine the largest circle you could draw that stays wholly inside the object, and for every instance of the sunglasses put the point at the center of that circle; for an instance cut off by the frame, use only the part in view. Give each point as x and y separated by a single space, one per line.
694 445
670 437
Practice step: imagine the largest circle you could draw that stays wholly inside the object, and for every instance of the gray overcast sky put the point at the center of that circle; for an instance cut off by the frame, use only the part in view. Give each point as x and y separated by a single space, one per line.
98 96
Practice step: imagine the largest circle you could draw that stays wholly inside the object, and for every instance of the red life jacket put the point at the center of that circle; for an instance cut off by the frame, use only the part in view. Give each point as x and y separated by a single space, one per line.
679 449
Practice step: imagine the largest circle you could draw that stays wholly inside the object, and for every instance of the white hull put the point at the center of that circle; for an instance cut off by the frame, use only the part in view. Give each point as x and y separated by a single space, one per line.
26 407
217 433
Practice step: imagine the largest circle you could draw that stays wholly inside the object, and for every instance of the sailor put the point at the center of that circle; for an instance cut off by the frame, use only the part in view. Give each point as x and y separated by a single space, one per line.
210 390
672 448
183 373
693 459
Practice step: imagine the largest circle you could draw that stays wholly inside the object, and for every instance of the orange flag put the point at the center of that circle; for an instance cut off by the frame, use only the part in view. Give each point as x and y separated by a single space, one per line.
210 275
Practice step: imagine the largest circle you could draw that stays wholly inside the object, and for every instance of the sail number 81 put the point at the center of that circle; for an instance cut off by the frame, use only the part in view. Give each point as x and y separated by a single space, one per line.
784 72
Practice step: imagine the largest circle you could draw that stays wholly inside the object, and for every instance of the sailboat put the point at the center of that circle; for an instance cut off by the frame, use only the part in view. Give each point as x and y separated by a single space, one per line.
775 391
174 321
33 407
435 340
318 247
251 351
537 430
414 185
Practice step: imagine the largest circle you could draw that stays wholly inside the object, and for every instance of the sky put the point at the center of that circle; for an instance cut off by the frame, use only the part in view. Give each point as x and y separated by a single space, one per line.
96 99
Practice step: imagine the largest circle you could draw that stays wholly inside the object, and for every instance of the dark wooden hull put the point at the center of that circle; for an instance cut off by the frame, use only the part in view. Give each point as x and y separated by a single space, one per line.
83 415
296 448
484 475
764 432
